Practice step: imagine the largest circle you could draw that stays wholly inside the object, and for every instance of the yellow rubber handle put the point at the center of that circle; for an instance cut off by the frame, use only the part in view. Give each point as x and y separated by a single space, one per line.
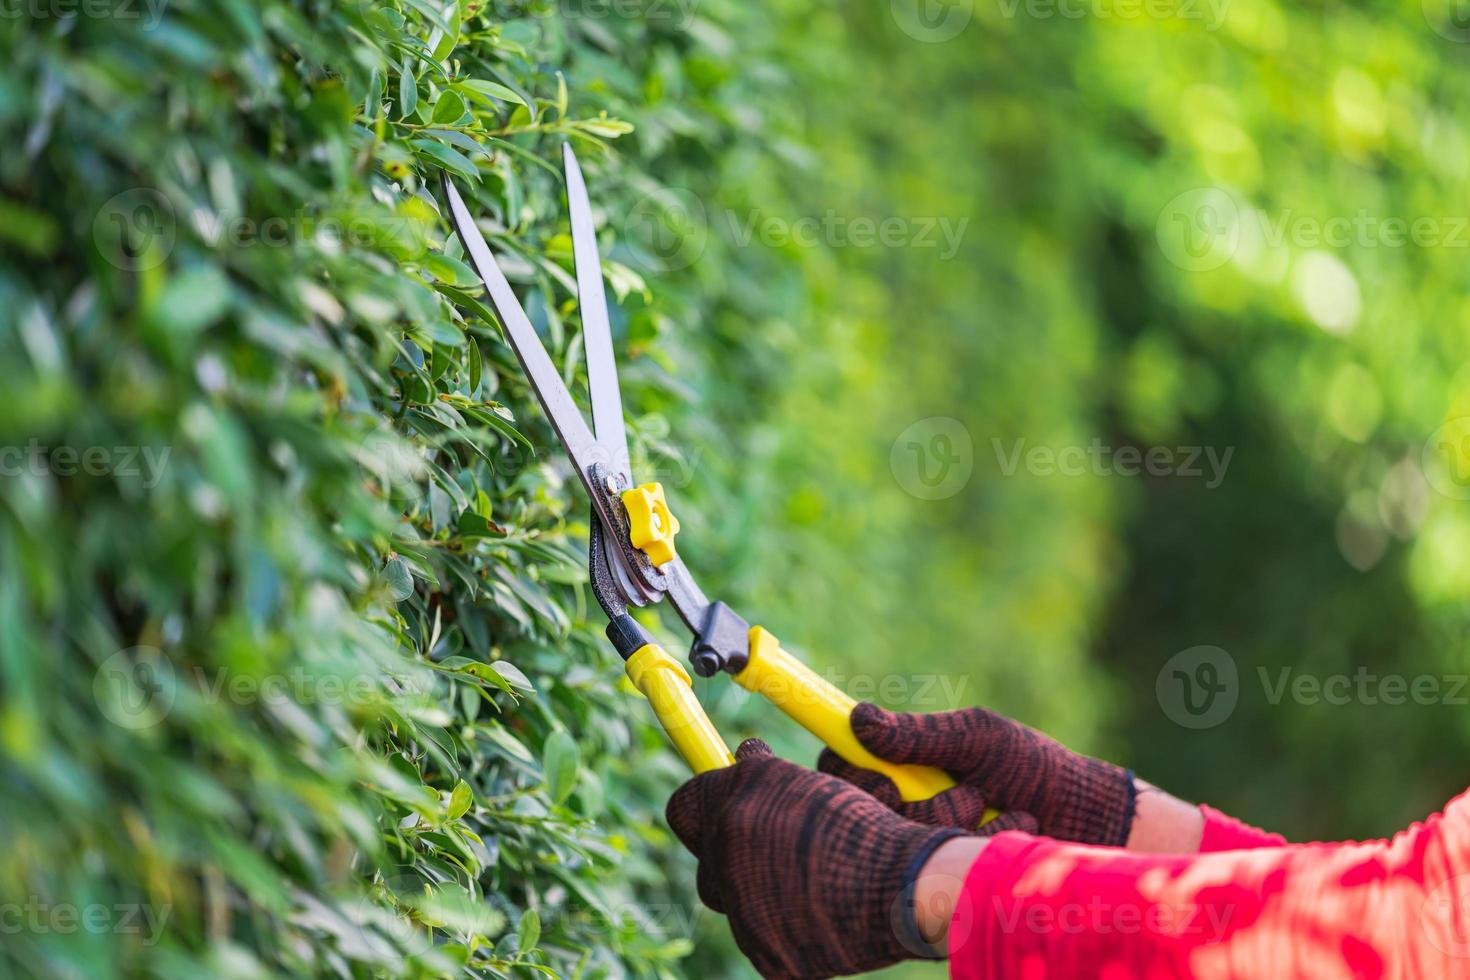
666 685
825 710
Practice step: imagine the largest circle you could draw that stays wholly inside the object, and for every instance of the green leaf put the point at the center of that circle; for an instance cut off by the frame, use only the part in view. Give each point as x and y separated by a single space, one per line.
560 761
449 270
508 743
497 422
430 13
472 525
450 38
528 932
604 127
461 140
447 157
449 109
453 909
35 231
489 93
192 301
476 371
511 674
408 91
472 303
460 800
398 579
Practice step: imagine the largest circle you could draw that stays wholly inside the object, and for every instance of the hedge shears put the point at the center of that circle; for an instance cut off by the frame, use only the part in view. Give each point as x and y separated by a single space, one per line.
631 549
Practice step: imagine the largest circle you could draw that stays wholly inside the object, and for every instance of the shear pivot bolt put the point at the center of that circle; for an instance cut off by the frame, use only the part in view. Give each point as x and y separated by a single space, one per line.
651 527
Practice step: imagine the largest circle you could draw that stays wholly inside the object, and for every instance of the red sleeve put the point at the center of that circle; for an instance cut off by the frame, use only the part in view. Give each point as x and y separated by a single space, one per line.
1037 908
1224 833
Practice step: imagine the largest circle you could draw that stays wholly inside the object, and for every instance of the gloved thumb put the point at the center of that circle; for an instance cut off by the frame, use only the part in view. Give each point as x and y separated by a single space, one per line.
694 807
753 748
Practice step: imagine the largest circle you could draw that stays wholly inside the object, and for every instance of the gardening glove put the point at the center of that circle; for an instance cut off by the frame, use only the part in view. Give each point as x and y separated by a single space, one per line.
1072 797
815 875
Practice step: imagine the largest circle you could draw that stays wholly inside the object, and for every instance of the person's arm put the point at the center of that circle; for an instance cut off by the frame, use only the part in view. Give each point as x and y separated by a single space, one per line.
818 878
1029 906
1222 832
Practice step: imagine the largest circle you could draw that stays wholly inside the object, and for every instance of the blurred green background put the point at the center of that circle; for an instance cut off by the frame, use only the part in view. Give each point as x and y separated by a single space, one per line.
1100 362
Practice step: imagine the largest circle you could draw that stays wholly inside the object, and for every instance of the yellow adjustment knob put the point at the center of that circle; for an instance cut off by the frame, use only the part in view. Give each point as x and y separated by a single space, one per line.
652 526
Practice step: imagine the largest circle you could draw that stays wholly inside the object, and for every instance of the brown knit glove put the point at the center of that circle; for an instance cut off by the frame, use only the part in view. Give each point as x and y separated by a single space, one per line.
815 875
1072 797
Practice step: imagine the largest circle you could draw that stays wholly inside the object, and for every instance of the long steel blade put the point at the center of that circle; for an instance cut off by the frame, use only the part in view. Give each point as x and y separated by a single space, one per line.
581 445
602 369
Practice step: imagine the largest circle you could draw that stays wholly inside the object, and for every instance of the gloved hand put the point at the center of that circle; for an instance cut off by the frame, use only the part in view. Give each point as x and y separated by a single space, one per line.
1072 797
815 875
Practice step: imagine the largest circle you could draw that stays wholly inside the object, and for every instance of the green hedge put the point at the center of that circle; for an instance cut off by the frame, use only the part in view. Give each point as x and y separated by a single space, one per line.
289 608
297 661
